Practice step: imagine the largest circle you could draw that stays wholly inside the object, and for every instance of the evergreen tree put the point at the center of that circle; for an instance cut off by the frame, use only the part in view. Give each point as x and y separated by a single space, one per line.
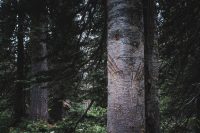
179 50
125 67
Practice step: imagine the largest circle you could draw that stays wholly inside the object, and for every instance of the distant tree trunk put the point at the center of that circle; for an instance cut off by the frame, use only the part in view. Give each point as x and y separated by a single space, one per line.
125 67
57 109
151 70
19 97
56 112
39 92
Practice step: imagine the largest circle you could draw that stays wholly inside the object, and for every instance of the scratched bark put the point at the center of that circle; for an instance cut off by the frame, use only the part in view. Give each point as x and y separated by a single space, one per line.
125 67
39 92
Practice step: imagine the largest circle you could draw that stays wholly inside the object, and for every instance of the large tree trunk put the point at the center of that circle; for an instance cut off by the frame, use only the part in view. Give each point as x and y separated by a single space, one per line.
39 92
125 66
19 97
151 70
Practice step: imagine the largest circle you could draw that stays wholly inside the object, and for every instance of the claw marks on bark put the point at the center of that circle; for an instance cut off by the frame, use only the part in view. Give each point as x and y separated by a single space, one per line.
139 73
137 77
112 67
140 77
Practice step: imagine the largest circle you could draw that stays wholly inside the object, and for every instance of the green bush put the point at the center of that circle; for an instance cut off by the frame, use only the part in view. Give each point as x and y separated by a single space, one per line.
90 127
5 120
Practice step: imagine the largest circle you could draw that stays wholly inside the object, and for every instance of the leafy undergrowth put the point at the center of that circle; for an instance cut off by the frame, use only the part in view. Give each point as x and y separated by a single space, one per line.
93 122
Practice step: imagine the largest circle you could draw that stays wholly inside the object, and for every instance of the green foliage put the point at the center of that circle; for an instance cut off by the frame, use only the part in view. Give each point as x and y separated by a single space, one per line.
94 122
5 121
5 115
97 111
179 75
90 127
31 127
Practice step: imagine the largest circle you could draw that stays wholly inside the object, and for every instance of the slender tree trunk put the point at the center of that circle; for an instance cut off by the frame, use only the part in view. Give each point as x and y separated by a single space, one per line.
57 109
56 112
125 66
39 92
19 105
151 70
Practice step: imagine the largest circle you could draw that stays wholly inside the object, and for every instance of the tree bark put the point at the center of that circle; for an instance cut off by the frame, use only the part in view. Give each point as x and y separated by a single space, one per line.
151 69
19 97
125 66
39 92
56 112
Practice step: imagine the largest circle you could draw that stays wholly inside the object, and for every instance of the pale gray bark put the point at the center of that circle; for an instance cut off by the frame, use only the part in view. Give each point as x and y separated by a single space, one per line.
125 66
39 92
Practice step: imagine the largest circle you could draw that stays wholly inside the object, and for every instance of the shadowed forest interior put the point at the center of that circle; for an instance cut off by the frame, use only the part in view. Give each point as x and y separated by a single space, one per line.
99 66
